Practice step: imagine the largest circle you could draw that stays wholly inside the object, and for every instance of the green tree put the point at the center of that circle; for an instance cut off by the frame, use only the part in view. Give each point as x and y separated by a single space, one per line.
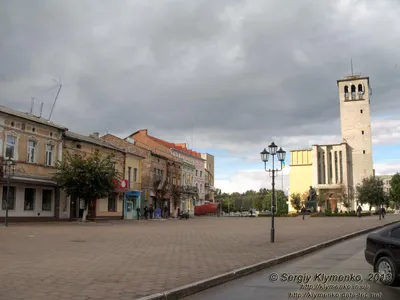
295 201
258 202
345 199
395 190
87 178
321 199
228 203
371 192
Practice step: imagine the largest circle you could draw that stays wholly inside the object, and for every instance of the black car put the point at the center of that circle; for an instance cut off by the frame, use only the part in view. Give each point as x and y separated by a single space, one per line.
383 253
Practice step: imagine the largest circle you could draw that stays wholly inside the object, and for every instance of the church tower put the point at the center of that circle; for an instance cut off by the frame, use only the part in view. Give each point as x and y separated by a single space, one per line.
355 119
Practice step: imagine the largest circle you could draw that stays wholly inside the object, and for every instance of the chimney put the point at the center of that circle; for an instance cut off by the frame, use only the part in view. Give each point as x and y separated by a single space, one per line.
95 134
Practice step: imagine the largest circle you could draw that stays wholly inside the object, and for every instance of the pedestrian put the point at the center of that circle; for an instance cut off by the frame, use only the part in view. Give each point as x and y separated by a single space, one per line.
165 212
151 211
145 211
383 212
359 209
303 211
138 212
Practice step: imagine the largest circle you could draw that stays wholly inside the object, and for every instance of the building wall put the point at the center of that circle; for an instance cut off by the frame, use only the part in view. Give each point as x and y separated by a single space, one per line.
301 172
330 165
355 118
85 148
134 160
209 176
35 172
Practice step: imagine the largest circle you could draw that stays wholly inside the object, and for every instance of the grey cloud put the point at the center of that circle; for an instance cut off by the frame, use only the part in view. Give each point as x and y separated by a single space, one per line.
240 70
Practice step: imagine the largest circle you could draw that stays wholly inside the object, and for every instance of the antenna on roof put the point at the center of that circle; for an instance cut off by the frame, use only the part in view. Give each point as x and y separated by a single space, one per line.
351 64
32 104
41 108
55 100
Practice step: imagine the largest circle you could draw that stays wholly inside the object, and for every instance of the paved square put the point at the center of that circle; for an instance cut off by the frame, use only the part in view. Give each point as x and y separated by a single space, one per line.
126 260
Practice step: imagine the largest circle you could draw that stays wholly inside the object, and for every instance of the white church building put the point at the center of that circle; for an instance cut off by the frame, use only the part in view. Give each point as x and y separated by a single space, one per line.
336 167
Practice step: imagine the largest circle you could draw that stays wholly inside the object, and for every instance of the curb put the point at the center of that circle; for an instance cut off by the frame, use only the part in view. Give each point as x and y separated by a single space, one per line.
198 286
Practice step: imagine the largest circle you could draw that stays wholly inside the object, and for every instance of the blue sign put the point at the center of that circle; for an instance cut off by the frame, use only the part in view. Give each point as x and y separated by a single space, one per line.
157 213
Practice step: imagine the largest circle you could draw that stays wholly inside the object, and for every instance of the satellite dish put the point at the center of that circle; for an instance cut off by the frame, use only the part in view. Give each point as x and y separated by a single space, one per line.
130 140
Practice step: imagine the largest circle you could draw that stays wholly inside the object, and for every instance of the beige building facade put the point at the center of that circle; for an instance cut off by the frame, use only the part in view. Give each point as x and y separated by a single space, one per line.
113 206
35 145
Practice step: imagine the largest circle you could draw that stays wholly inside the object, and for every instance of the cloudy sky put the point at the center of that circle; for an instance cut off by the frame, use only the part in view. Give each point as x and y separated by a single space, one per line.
225 76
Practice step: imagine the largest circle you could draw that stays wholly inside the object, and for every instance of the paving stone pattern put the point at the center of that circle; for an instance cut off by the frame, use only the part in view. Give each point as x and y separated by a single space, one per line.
126 260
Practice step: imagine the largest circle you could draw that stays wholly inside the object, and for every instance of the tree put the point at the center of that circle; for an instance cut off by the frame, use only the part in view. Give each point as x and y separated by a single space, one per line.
176 194
371 192
304 196
160 187
258 202
295 201
345 199
321 198
228 203
87 178
395 190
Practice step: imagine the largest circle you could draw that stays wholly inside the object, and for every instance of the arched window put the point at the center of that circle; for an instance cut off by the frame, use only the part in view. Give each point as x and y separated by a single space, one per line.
353 91
360 91
346 92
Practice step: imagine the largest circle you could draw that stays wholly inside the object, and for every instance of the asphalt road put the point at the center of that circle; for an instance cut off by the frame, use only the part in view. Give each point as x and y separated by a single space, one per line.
345 258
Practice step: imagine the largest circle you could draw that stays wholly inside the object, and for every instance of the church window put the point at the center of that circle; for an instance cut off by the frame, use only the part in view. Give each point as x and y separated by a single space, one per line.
346 92
360 91
353 92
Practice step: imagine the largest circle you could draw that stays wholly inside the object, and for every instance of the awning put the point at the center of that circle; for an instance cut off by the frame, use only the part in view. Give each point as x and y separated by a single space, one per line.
32 181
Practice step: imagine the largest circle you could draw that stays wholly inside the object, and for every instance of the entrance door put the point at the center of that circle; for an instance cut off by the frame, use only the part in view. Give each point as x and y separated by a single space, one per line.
129 210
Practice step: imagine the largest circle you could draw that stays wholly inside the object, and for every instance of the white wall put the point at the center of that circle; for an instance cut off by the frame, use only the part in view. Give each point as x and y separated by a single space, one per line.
19 202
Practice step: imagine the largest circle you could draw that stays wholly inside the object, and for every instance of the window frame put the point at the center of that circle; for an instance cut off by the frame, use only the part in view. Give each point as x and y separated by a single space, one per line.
46 157
34 199
51 199
3 200
112 202
30 149
15 145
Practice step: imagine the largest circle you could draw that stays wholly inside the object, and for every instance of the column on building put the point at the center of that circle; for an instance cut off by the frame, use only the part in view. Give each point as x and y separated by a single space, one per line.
326 161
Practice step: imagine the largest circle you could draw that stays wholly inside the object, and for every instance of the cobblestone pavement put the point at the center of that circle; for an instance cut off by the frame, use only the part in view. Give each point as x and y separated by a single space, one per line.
126 260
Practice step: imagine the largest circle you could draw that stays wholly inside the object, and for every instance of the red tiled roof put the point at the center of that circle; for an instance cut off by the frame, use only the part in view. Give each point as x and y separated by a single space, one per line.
174 146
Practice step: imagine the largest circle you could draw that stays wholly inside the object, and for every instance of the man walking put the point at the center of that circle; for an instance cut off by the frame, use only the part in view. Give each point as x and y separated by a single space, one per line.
303 211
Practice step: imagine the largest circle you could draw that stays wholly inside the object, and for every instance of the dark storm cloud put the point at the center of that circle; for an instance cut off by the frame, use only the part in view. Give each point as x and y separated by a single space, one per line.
238 70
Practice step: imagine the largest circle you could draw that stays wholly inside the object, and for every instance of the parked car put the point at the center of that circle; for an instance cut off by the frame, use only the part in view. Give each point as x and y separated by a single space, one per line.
383 253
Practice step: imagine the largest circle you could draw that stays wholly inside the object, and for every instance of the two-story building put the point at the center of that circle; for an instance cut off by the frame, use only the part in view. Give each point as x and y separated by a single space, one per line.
35 145
113 206
134 157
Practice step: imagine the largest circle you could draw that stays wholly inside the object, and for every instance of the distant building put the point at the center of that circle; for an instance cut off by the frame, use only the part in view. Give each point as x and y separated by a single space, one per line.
386 182
209 176
339 168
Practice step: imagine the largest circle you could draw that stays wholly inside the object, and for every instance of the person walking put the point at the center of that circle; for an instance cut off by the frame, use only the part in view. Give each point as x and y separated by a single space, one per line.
303 211
151 211
165 212
359 209
138 212
145 212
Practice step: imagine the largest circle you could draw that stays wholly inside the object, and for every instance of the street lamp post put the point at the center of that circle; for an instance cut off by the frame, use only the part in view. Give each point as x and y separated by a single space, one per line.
8 171
273 150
